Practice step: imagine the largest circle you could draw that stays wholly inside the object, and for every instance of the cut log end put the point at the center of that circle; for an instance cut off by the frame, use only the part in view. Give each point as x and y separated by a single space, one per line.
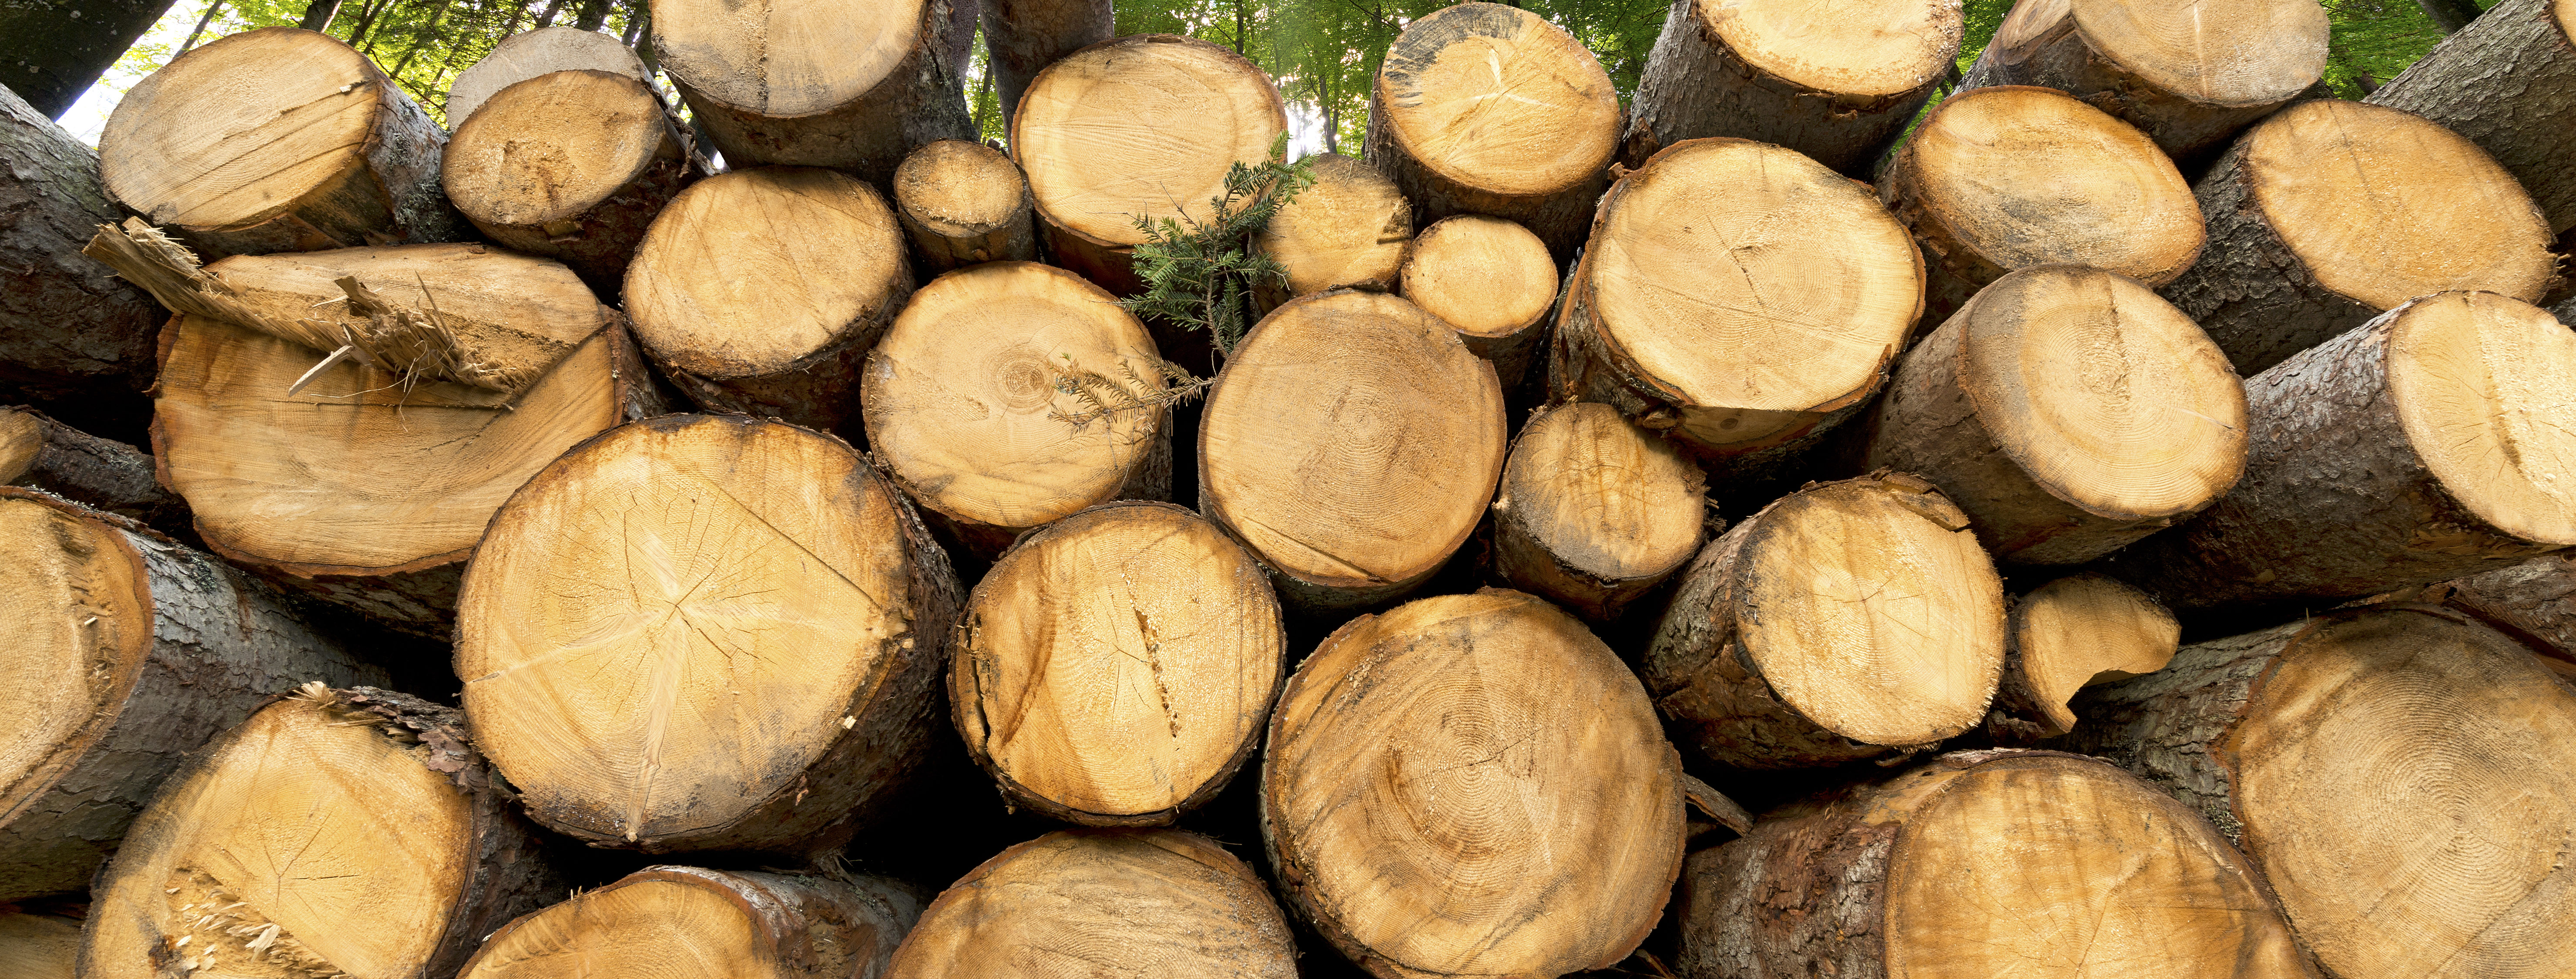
784 59
2485 389
1349 228
1594 511
570 165
964 203
763 925
1807 43
1497 100
2080 631
528 54
78 622
2248 55
38 946
1491 279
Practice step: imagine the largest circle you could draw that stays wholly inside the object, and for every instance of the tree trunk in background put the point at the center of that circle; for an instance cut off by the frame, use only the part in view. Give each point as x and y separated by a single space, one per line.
2507 84
51 51
1025 36
318 14
2450 15
74 338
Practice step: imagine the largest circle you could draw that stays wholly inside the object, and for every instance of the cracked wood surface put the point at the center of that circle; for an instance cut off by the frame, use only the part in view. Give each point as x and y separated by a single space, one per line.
570 165
1594 511
964 203
2508 84
664 920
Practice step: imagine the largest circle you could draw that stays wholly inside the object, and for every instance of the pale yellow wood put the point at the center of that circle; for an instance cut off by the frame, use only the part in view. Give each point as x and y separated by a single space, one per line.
960 189
1141 126
1347 229
1848 47
551 150
22 437
237 133
2247 53
784 57
1484 275
1498 100
2485 388
1154 904
75 613
512 312
2079 631
646 928
1600 501
526 55
749 272
35 946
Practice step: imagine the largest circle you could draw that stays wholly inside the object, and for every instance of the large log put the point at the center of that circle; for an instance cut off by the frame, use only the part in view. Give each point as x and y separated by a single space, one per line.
73 338
1593 511
1012 394
2506 82
1352 442
2190 76
1149 904
1493 281
1023 37
1471 785
338 832
2068 411
1349 228
2004 178
778 680
2429 444
528 54
277 140
1486 109
1837 88
964 203
1096 173
1848 620
1748 362
2078 631
760 291
53 51
1116 667
1983 863
570 165
126 652
2331 212
40 453
707 922
848 84
2399 775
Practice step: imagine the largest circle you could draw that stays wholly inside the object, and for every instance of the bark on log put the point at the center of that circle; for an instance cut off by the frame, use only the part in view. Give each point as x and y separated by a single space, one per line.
126 652
964 203
1749 365
1490 279
2009 177
1352 442
2331 212
1471 785
662 918
1848 620
52 51
968 407
572 166
2507 83
780 678
40 453
2190 76
337 832
1146 602
1793 74
1593 511
760 291
2431 443
2068 411
72 337
528 54
2536 598
38 946
1983 863
2399 774
1023 37
2078 631
277 140
1350 228
1486 109
847 84
1150 904
1095 172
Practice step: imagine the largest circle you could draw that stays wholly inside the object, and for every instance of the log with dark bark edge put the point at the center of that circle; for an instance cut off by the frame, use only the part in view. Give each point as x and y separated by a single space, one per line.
337 832
1486 109
528 54
1350 228
52 51
2189 75
1116 667
2506 82
848 84
1142 126
2330 212
1744 367
34 945
1593 511
2068 411
570 165
1979 864
964 203
1848 620
1147 904
2075 632
2431 443
2398 773
1491 279
708 922
1471 785
760 291
40 453
798 613
1025 36
1352 442
966 407
72 337
2008 177
1793 73
126 652
2535 599
277 140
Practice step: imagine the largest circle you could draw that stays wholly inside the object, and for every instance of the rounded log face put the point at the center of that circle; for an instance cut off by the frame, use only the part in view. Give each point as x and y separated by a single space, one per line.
2079 631
553 147
1498 100
1488 277
1118 665
960 189
2246 54
1814 45
1348 229
1151 904
77 623
1594 510
528 54
36 946
1095 170
1352 443
2485 389
784 58
684 921
1494 798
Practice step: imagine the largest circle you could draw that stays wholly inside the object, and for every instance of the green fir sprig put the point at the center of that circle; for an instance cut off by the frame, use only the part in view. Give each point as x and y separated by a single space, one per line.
1200 272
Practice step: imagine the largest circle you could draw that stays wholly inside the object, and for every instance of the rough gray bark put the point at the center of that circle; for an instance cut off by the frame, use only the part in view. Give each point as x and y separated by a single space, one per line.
73 336
53 50
40 453
1695 86
2508 84
2536 598
1025 36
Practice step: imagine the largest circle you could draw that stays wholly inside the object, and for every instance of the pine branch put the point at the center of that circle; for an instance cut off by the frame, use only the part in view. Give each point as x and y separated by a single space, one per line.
1201 273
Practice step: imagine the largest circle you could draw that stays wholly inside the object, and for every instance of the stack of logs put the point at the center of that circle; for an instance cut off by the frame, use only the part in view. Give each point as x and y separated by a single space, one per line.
2153 486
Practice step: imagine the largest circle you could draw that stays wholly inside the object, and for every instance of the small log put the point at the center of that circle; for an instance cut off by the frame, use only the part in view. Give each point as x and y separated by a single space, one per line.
964 203
706 632
72 337
1146 903
572 166
1349 228
1846 621
2309 235
528 54
1593 511
760 291
1838 89
337 832
1486 109
660 918
2429 444
40 453
2025 860
2399 774
1471 785
38 946
1023 37
1493 281
2075 632
1012 394
848 84
1352 442
2506 82
2536 598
